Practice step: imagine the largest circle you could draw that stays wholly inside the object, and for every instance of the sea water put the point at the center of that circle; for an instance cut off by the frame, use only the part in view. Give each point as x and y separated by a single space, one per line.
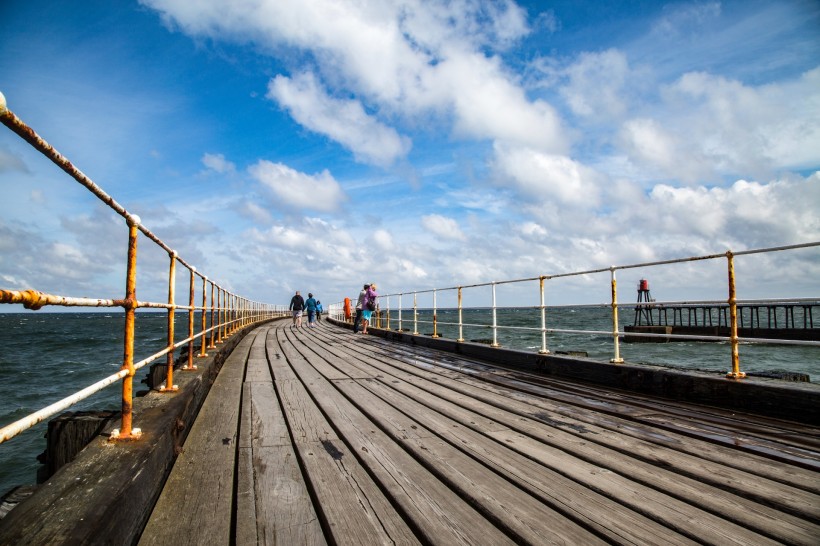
45 357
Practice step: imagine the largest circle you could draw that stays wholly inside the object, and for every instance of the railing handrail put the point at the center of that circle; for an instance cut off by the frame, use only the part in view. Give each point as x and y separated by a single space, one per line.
228 311
732 304
610 268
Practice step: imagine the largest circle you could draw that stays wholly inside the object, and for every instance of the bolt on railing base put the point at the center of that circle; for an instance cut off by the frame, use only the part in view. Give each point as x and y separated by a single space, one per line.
738 375
174 388
544 352
190 368
136 434
616 360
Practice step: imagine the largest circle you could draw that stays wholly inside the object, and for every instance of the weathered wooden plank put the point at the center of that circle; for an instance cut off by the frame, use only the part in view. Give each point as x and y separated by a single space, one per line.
523 517
273 503
284 511
338 481
246 517
353 507
202 480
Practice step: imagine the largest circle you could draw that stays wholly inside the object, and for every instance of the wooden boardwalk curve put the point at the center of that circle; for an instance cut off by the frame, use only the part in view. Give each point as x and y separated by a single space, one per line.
320 436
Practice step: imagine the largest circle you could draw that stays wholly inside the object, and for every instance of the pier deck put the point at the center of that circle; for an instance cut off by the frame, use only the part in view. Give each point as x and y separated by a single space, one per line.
319 436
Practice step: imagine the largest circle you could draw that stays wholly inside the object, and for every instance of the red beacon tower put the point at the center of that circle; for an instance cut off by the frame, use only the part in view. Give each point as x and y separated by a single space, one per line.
643 312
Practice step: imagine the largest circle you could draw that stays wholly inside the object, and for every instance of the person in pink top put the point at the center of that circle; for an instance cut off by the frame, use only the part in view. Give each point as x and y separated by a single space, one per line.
369 306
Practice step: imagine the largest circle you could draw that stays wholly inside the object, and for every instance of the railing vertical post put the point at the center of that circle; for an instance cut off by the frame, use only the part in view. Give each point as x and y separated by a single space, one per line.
495 323
400 308
435 318
615 334
212 337
220 313
191 311
735 373
169 357
126 431
460 321
415 315
231 316
544 350
204 318
387 326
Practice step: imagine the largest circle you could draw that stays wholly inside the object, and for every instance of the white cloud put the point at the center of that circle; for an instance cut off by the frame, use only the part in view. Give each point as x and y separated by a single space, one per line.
403 60
383 240
546 177
489 105
596 84
218 163
345 121
291 188
443 227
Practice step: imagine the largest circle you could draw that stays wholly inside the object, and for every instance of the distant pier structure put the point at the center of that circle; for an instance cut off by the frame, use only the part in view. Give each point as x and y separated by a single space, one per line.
761 319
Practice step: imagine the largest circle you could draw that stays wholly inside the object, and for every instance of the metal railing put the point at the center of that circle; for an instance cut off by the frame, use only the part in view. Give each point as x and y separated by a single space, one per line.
383 317
221 317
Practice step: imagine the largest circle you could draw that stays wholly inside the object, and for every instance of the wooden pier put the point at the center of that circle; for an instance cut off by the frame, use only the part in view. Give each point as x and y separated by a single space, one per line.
763 321
320 436
348 439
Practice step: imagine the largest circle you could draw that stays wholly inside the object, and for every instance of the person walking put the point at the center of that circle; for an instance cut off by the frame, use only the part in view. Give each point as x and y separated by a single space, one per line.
297 305
369 306
359 306
310 306
319 310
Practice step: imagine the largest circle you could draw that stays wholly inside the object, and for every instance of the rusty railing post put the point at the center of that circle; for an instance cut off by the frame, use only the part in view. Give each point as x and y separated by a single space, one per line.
735 373
169 357
495 322
615 334
460 318
126 431
212 337
544 350
191 310
220 313
203 318
435 318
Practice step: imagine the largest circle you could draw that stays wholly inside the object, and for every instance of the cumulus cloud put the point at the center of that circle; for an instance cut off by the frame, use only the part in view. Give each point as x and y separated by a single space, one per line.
403 60
546 177
345 121
443 227
291 188
383 240
707 127
596 83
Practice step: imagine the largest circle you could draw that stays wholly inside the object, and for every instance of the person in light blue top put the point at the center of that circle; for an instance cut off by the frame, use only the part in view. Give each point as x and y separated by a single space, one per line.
319 310
310 307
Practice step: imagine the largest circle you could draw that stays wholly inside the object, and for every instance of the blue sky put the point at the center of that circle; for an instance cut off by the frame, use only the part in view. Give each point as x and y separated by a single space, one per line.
319 144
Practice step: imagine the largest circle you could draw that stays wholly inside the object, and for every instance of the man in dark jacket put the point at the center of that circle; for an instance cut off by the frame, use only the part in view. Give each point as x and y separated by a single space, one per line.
297 305
357 322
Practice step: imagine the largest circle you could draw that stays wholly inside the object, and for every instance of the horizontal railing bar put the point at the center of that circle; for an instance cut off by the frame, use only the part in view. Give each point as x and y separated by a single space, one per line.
12 430
615 268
